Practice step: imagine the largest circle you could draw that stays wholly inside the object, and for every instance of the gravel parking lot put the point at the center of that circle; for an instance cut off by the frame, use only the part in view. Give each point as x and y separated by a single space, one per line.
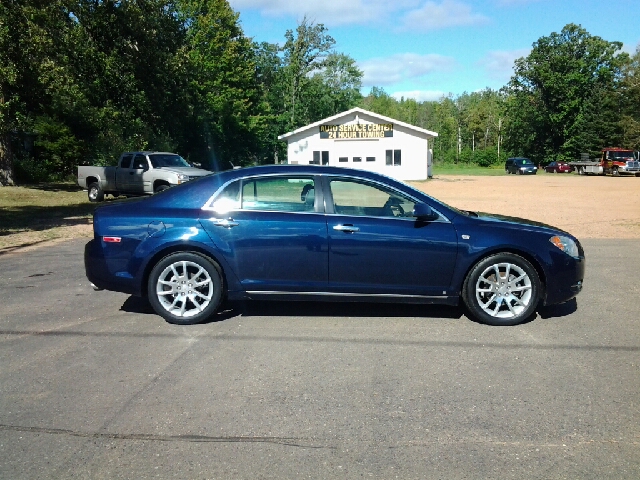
586 206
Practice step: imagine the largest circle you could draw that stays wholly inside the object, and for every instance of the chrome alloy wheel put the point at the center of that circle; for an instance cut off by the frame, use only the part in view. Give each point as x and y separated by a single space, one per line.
184 289
503 290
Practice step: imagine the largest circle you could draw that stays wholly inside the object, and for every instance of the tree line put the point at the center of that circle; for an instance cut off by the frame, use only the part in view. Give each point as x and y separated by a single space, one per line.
83 80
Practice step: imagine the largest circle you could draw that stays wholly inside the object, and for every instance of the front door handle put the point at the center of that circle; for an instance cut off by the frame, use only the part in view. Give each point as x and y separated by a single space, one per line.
226 223
346 228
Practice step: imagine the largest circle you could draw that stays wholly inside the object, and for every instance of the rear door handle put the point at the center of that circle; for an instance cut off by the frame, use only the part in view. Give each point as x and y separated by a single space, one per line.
226 223
346 228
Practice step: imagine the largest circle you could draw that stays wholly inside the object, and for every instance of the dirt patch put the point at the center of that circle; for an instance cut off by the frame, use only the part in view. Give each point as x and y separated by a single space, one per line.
585 206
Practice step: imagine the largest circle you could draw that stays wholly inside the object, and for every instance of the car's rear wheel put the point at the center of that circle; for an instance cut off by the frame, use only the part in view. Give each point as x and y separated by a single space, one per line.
502 289
95 192
185 288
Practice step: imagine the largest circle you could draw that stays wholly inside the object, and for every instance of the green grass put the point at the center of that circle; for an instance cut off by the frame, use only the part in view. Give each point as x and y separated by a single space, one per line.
36 213
467 169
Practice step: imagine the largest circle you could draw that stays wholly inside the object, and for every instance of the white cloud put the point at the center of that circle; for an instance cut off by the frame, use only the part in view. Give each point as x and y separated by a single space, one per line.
412 14
421 95
508 3
329 13
435 16
383 71
630 48
499 64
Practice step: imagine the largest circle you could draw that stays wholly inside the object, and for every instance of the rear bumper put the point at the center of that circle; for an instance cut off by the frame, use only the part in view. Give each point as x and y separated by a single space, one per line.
98 271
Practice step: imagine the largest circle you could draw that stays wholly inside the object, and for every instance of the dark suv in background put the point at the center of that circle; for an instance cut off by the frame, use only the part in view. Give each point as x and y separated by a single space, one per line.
520 166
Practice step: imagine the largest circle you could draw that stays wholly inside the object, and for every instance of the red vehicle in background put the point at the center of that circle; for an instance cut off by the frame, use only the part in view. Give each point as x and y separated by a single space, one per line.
558 167
613 161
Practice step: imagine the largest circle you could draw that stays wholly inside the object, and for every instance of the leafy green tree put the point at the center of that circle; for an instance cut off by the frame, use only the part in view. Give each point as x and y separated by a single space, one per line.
553 88
305 51
630 95
222 79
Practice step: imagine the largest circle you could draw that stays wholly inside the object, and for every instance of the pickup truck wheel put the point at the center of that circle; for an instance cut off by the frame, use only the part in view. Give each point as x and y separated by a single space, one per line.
185 288
160 188
502 289
615 172
95 193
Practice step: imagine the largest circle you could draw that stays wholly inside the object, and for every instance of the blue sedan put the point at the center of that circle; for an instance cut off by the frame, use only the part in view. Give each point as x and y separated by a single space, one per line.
289 232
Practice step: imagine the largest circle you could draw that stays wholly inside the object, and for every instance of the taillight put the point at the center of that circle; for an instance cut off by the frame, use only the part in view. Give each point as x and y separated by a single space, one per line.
111 239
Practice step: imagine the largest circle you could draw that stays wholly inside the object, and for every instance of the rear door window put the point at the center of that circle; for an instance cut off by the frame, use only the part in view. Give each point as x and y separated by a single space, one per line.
274 194
279 194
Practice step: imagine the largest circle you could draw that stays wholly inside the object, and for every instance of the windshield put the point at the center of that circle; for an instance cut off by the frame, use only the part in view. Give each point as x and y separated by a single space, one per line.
625 154
159 160
525 161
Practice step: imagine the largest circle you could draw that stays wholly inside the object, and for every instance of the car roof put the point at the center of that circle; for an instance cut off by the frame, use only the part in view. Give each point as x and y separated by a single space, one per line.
304 170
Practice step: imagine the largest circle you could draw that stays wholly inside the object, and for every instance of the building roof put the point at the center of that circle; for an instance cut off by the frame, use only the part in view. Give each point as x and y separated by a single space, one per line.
286 136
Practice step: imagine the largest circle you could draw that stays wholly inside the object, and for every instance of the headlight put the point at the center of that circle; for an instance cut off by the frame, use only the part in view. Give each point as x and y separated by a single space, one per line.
183 178
565 244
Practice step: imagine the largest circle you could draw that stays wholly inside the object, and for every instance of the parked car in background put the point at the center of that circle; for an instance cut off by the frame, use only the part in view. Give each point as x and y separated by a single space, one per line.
520 166
304 232
558 167
137 173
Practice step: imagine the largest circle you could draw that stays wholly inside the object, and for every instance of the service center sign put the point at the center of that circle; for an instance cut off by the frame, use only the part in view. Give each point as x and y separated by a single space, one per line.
356 131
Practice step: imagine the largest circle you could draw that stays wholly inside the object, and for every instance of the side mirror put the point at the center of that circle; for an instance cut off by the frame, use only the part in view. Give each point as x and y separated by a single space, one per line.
422 211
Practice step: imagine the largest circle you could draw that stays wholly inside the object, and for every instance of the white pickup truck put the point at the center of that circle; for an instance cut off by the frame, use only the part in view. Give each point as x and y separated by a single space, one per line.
137 173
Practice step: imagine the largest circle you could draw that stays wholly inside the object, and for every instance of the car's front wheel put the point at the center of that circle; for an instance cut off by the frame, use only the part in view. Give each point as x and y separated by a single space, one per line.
502 289
185 288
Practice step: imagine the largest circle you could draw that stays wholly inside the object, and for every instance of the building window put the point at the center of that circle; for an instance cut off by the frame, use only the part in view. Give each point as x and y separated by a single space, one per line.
343 159
357 159
393 157
317 155
371 159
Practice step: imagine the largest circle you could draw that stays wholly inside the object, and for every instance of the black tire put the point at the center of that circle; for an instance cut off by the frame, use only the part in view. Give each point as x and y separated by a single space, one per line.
502 303
95 192
160 188
185 288
615 172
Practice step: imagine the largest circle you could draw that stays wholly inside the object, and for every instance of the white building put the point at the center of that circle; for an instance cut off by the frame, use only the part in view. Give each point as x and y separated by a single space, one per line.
361 139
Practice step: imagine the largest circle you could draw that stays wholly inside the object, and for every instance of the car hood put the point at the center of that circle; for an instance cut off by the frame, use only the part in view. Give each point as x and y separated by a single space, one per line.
520 222
191 171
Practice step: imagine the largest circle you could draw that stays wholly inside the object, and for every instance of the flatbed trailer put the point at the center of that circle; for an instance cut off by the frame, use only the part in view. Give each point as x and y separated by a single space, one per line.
613 161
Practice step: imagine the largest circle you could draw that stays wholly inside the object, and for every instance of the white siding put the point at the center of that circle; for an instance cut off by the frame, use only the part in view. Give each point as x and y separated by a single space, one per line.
414 147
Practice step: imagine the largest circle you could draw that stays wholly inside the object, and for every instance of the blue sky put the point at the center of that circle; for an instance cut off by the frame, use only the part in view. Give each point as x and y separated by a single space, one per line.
424 49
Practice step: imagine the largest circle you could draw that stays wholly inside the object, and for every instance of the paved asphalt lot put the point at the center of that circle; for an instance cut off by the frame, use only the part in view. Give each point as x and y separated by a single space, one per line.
93 385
